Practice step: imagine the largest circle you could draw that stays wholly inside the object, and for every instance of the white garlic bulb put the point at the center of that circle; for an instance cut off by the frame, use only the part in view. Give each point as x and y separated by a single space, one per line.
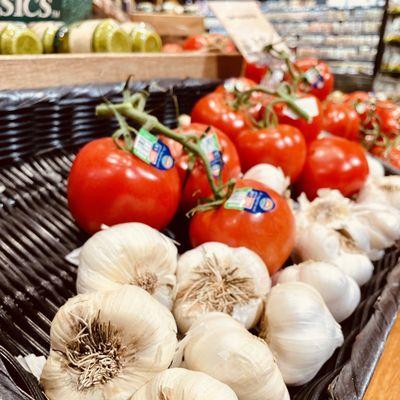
216 277
375 167
340 293
131 253
219 346
300 331
385 190
334 211
106 345
270 176
182 384
320 243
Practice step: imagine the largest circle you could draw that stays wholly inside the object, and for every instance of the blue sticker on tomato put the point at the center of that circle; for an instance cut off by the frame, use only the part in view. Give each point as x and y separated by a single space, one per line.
250 200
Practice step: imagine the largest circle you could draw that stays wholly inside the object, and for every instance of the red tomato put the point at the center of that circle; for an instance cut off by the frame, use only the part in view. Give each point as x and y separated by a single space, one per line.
362 103
196 184
256 99
209 42
255 72
310 129
214 109
109 186
283 146
172 48
388 117
342 120
271 234
333 163
321 89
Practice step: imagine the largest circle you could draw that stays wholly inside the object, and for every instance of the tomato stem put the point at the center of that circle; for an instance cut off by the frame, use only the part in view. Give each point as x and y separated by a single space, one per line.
127 109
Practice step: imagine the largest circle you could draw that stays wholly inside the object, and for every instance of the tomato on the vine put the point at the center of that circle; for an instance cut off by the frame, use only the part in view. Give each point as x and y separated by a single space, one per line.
209 42
391 154
195 182
270 234
318 76
283 146
388 117
342 120
254 71
333 163
309 128
107 185
216 109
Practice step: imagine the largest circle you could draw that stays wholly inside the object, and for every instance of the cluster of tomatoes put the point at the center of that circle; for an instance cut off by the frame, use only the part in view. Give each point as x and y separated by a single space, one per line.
108 185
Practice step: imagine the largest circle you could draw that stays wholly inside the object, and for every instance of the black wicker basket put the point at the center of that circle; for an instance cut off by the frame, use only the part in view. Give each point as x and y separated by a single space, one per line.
39 133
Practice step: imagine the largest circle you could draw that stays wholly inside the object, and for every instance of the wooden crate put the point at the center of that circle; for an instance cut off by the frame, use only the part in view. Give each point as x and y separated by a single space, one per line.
18 72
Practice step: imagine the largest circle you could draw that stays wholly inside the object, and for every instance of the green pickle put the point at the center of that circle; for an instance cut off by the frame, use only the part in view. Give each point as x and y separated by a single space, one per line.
100 36
144 37
47 32
17 38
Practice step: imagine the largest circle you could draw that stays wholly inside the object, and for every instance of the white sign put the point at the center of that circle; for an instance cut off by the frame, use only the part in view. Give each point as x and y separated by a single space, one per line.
248 27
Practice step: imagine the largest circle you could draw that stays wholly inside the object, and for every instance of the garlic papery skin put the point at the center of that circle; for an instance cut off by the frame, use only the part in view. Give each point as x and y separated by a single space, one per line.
270 176
221 347
334 211
340 293
300 331
216 277
106 345
385 190
131 253
375 167
317 242
182 384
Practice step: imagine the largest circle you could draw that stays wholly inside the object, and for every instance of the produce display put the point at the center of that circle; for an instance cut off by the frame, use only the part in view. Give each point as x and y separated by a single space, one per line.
95 35
225 253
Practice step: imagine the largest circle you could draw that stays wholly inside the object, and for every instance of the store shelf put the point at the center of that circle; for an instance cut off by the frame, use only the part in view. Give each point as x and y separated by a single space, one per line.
18 72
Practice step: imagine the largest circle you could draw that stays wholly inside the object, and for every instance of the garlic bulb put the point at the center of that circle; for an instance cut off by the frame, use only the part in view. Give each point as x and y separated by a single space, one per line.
219 346
269 175
317 242
216 277
376 169
131 253
182 384
300 331
385 190
340 293
334 211
106 345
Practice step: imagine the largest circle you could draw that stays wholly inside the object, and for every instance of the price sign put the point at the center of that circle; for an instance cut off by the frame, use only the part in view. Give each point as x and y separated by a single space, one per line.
248 28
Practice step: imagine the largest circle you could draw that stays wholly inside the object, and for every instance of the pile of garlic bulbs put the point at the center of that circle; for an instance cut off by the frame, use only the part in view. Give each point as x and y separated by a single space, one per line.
117 339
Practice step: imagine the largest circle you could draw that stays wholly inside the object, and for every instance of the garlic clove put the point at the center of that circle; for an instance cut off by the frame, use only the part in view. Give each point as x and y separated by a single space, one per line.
182 384
357 266
131 253
340 293
270 176
126 327
300 331
219 346
376 169
216 277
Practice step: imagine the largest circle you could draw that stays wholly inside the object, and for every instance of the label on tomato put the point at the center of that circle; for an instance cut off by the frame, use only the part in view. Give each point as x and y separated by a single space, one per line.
314 78
250 200
152 151
307 104
210 145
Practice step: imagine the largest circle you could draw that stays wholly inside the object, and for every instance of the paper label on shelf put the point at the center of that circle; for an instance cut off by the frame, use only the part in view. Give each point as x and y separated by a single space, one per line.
308 104
152 151
210 145
250 200
248 27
